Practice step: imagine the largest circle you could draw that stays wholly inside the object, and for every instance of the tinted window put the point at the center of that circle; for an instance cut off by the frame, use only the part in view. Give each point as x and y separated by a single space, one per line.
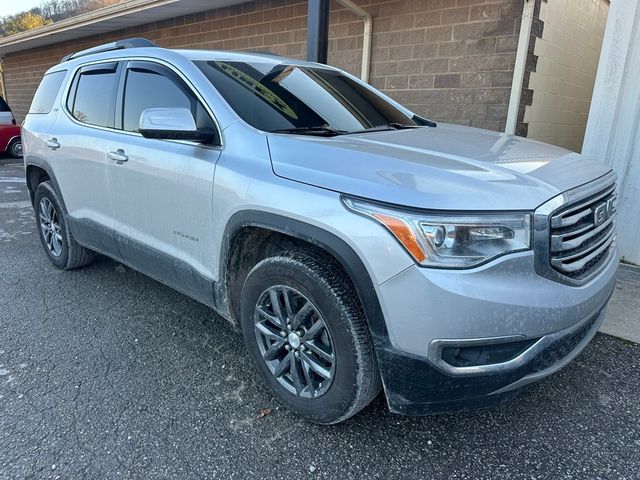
47 92
278 96
3 106
93 96
145 89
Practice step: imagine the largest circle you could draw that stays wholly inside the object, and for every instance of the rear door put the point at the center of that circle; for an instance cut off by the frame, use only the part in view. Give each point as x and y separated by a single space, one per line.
162 190
78 146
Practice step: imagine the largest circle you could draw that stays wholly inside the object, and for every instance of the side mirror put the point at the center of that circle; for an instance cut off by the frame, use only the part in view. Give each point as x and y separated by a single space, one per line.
171 124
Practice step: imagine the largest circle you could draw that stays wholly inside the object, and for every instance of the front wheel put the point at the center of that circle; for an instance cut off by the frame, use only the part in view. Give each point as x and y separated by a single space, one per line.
307 335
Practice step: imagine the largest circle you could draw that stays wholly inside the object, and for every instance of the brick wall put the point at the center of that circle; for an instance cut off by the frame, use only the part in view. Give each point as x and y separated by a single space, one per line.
561 84
450 60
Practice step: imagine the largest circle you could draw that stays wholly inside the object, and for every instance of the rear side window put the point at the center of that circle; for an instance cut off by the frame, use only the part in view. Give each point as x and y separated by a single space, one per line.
4 107
91 99
47 92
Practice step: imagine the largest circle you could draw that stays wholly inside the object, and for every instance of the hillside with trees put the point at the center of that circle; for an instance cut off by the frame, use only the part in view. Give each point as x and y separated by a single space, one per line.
48 12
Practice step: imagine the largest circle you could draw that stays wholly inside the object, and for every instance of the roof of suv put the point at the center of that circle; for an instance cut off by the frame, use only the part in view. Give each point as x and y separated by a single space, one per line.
142 47
264 57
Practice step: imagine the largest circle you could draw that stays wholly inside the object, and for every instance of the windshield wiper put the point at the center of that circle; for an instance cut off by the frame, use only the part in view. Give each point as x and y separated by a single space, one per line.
331 132
383 128
313 130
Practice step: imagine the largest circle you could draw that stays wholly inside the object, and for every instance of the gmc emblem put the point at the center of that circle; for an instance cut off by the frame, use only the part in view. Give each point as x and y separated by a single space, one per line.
602 212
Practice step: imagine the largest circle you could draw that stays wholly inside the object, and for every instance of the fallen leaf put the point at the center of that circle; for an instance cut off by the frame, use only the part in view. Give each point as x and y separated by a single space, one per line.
263 412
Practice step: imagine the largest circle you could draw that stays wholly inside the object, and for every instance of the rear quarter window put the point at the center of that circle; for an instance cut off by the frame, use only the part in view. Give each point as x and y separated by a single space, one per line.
47 92
4 107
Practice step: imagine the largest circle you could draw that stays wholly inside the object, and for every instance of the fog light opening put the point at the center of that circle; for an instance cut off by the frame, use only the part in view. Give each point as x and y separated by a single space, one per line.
490 354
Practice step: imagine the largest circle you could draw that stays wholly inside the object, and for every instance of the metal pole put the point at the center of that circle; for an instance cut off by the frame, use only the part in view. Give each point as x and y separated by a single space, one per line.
519 67
3 92
318 31
367 36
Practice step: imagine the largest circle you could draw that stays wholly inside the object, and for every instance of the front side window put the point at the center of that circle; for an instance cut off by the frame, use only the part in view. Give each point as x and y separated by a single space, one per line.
47 92
274 97
151 89
92 100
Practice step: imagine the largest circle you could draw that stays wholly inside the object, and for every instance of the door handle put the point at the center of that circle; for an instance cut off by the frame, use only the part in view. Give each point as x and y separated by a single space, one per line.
52 144
118 156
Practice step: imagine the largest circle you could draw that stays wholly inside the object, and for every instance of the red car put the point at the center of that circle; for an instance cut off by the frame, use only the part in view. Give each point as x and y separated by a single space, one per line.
9 132
10 140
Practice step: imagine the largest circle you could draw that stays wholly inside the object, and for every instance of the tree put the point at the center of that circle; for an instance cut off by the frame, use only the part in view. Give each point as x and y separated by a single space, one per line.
49 11
21 22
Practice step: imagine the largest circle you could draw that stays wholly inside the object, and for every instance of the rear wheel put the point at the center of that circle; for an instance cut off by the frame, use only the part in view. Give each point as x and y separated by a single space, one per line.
58 242
307 336
15 148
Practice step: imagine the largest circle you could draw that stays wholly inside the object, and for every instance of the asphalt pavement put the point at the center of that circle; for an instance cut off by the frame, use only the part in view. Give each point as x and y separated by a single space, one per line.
105 373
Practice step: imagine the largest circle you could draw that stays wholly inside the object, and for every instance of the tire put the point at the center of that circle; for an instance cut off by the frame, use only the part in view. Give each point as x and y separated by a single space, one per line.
309 276
15 148
58 242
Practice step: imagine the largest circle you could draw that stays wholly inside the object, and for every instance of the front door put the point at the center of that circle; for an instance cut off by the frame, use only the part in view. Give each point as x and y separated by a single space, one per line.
162 190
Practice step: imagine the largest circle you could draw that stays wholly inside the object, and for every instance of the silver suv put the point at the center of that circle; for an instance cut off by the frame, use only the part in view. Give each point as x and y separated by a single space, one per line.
358 245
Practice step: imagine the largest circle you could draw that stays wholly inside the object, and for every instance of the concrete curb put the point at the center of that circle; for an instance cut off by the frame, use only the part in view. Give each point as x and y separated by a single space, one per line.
623 315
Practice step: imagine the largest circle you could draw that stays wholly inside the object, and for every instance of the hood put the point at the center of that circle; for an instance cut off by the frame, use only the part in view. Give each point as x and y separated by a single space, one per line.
449 167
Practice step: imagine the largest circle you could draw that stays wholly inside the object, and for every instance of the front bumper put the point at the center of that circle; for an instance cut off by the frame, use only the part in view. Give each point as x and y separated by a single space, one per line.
425 309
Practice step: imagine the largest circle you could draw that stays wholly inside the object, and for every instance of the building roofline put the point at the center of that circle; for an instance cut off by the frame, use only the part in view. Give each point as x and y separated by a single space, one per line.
114 17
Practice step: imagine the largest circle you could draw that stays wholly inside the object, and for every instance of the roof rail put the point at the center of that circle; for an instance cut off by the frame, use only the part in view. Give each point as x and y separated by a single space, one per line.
260 52
120 44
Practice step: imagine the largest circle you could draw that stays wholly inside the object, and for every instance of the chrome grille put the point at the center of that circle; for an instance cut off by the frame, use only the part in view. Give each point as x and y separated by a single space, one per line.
581 235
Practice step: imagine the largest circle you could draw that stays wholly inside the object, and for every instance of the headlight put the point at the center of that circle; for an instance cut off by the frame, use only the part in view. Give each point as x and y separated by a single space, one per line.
451 241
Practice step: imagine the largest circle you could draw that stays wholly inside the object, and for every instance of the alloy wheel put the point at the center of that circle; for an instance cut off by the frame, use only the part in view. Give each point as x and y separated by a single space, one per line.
294 341
50 227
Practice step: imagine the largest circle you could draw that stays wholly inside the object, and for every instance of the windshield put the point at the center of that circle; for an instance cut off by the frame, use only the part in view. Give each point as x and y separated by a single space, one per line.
285 97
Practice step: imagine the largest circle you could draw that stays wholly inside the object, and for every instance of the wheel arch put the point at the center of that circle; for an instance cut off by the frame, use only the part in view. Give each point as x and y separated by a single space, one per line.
37 171
242 223
12 139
